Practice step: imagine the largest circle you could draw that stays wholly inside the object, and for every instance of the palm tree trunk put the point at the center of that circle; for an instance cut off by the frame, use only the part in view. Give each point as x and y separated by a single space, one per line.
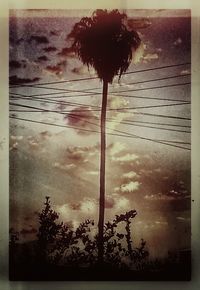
102 173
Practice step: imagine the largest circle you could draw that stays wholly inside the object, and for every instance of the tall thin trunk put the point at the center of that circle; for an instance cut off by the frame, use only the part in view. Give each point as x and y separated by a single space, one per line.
102 172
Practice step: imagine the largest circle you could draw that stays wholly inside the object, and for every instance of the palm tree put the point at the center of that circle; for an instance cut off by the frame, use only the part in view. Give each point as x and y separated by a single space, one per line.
105 43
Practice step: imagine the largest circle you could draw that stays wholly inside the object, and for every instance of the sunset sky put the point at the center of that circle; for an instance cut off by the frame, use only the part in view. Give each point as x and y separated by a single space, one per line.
147 169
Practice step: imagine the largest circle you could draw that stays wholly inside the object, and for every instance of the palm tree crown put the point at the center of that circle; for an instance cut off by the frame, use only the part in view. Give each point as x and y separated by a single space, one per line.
104 42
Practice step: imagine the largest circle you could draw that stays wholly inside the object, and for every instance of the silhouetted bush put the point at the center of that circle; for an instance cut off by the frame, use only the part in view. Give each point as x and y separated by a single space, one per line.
60 244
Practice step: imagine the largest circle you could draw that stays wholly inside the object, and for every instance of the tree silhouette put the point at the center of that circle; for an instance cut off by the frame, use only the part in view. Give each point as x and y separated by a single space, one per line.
104 43
61 244
48 229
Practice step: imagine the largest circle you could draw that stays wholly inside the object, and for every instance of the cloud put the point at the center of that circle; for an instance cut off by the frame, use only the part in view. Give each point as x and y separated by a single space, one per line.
38 39
160 196
19 41
94 173
64 167
65 212
159 50
109 202
62 63
14 64
116 102
88 206
121 204
75 206
16 138
33 144
67 52
130 187
130 175
150 56
14 146
116 148
50 49
178 41
61 106
162 223
125 158
14 142
185 72
15 80
139 23
138 54
56 69
180 218
142 56
45 134
43 58
80 155
83 70
55 32
76 153
82 118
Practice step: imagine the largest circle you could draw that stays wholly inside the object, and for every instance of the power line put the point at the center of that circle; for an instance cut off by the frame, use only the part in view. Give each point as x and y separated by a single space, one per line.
51 101
86 130
111 121
155 80
99 109
92 78
151 88
111 93
156 123
159 115
76 116
162 116
32 97
89 90
117 109
152 127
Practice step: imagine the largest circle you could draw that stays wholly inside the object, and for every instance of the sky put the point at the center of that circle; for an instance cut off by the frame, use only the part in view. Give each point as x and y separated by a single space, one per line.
148 149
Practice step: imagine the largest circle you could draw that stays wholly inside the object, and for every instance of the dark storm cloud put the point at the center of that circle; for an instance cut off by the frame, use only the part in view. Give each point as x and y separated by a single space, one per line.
76 154
15 80
62 63
67 52
11 39
55 32
81 154
43 58
50 49
61 106
109 202
14 64
38 39
138 23
75 206
82 118
78 70
19 41
55 69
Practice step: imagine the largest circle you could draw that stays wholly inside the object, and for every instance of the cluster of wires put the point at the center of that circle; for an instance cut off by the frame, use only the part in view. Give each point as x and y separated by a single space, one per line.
20 103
